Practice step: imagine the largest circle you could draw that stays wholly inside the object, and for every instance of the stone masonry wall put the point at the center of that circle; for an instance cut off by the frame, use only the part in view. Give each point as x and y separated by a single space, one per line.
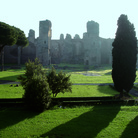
90 50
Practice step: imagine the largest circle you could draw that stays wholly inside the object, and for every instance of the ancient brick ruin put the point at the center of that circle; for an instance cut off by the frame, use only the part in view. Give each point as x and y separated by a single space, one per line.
90 50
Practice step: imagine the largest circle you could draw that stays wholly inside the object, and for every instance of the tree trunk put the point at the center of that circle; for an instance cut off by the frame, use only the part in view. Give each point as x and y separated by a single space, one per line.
2 60
19 55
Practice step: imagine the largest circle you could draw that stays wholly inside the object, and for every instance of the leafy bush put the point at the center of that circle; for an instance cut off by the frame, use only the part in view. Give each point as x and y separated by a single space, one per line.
59 82
36 88
31 69
37 94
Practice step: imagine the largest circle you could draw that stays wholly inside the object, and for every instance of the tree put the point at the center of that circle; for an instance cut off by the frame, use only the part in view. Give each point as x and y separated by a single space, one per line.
31 69
37 96
59 82
21 38
124 54
10 35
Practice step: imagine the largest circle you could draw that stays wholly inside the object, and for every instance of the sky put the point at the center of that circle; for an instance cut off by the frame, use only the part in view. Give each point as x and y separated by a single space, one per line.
68 16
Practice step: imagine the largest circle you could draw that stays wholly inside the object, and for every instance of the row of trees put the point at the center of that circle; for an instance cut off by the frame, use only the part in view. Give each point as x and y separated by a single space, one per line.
124 54
10 35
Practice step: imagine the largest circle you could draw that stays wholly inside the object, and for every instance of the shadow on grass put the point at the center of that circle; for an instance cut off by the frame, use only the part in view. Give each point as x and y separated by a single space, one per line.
131 130
108 73
87 125
12 116
106 89
8 78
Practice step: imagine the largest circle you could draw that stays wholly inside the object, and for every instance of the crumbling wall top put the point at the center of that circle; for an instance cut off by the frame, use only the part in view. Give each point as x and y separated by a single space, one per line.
44 28
61 36
93 28
68 37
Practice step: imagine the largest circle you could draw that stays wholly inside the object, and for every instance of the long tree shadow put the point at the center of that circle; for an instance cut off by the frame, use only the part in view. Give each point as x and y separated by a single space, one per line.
131 130
108 73
87 125
12 116
106 89
7 79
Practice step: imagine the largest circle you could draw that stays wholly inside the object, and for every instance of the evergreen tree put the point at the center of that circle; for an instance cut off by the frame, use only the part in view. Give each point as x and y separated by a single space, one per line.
59 82
36 96
124 55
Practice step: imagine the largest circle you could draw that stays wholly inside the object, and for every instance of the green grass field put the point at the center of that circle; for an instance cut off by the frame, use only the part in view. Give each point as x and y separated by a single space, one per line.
81 76
77 91
80 122
100 121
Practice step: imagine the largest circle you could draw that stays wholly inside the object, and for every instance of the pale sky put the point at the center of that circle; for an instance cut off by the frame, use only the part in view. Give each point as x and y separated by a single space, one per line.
68 16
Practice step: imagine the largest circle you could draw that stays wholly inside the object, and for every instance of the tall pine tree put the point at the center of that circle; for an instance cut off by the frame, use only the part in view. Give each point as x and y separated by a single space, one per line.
124 55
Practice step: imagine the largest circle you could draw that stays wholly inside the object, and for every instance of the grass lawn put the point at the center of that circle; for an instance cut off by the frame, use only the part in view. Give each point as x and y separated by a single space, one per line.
103 121
6 91
104 74
77 91
80 78
112 121
11 75
89 91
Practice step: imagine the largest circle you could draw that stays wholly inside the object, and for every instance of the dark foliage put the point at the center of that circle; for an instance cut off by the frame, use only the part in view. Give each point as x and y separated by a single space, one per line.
21 38
124 56
59 82
10 35
34 82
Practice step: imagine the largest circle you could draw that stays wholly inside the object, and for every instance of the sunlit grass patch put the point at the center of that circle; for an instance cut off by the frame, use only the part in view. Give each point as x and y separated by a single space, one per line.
7 91
89 91
10 75
80 78
92 121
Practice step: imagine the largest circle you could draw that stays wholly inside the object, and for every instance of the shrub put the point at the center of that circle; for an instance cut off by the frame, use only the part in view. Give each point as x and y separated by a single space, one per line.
31 69
36 88
59 82
37 94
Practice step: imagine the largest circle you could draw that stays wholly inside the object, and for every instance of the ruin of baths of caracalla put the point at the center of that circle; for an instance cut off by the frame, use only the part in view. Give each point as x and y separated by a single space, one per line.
90 50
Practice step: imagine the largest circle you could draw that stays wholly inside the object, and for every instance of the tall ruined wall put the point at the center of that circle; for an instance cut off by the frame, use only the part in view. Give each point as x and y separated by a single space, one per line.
31 36
106 51
67 50
92 28
92 44
11 54
90 50
28 53
43 42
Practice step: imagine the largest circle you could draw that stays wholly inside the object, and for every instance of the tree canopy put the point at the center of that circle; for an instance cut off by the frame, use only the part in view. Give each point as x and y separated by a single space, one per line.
59 82
21 38
124 55
10 35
